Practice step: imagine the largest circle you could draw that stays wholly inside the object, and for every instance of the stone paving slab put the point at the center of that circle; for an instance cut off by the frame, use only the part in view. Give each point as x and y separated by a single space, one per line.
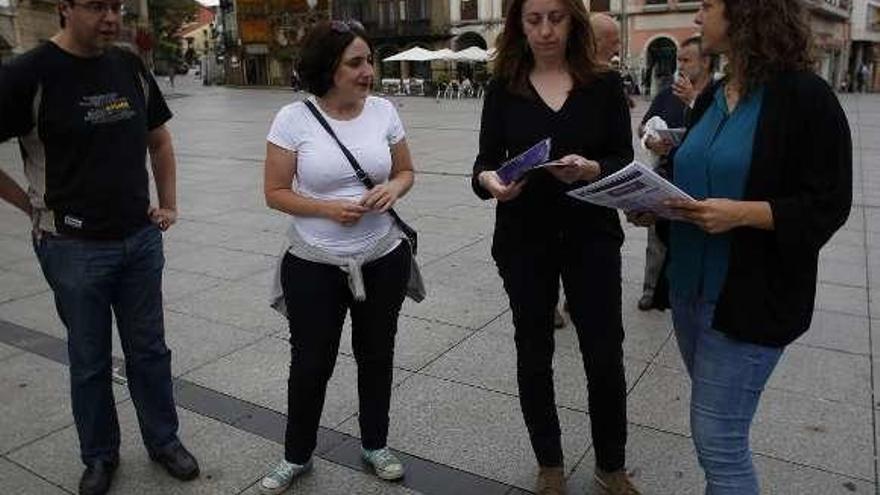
36 312
8 351
15 285
824 374
241 305
469 305
178 284
221 263
231 460
841 298
852 274
838 331
15 479
195 342
14 249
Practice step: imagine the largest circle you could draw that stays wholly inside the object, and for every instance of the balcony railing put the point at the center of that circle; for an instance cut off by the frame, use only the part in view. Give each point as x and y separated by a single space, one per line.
420 27
839 9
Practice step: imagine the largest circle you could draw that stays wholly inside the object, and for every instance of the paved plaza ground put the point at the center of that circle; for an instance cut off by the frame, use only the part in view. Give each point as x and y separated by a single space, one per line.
455 415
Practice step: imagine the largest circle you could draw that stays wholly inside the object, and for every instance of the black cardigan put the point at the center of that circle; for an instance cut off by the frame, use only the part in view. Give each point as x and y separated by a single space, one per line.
594 122
802 165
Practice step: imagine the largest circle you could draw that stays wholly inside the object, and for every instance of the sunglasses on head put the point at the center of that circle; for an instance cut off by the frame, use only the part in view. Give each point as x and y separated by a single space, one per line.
346 26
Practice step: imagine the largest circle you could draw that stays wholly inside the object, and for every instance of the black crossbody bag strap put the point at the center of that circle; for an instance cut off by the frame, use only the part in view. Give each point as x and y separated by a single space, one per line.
362 176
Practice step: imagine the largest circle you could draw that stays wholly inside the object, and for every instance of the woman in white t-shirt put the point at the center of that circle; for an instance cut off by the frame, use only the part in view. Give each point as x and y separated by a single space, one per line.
345 250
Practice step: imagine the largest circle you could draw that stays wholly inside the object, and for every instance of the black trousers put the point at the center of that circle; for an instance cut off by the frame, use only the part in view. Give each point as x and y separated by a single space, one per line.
590 270
317 298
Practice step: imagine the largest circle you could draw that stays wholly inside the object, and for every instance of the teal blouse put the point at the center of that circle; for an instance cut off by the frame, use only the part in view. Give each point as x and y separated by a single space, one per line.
712 162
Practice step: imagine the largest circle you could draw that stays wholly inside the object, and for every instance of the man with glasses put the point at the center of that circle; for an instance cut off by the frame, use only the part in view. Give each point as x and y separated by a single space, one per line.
85 114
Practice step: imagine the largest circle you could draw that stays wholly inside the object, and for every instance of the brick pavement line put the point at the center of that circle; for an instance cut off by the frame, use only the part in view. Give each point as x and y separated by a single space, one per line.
423 475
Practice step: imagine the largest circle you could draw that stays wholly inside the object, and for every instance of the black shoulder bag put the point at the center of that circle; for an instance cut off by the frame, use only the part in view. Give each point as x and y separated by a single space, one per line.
409 232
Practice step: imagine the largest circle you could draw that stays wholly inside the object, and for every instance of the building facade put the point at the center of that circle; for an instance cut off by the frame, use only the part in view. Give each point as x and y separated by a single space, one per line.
830 22
864 61
197 37
24 24
652 31
397 25
8 36
261 38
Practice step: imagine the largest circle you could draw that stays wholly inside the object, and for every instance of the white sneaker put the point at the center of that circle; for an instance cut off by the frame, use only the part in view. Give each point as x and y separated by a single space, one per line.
386 465
280 478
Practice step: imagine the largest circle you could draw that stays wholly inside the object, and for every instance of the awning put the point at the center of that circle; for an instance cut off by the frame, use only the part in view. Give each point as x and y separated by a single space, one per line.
419 54
414 54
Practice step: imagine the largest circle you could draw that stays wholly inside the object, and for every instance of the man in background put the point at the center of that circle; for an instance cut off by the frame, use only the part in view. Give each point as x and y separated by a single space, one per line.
607 33
672 105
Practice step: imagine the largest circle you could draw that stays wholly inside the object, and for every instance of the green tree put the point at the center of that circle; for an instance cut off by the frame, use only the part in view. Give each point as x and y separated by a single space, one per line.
166 19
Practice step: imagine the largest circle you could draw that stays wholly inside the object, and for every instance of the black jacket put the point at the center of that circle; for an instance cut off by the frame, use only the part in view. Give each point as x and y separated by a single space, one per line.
594 122
802 165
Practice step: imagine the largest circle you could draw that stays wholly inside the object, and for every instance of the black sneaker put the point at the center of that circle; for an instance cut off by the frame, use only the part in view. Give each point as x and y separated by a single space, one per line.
646 302
177 461
97 477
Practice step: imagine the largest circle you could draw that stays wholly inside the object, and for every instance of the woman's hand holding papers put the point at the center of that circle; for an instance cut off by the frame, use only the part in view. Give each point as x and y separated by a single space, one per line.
719 215
574 168
490 182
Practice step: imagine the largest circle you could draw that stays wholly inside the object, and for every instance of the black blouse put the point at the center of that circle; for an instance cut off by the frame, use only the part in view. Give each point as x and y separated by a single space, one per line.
594 122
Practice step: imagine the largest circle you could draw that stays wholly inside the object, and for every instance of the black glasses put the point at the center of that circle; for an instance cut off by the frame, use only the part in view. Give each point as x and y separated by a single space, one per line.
100 8
346 26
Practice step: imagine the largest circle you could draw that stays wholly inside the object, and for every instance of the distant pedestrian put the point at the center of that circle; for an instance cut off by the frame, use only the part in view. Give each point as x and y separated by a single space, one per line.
86 114
348 252
171 75
548 82
862 76
768 159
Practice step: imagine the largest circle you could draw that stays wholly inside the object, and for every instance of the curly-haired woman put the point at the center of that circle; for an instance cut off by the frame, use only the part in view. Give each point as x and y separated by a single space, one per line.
769 160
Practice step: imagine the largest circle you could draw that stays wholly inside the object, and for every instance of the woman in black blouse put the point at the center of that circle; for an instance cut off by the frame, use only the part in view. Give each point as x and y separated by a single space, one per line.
549 84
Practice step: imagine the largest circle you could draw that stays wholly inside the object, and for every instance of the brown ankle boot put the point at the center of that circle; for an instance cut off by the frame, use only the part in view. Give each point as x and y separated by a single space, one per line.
616 482
551 481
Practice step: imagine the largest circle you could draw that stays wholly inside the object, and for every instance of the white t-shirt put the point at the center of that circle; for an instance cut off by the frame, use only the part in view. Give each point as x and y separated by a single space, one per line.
323 172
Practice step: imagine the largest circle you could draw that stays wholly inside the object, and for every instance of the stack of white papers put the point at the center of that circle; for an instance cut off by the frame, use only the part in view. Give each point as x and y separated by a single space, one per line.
633 188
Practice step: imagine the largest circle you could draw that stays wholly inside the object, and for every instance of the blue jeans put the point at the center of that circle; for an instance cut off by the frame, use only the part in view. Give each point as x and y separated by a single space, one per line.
91 279
727 378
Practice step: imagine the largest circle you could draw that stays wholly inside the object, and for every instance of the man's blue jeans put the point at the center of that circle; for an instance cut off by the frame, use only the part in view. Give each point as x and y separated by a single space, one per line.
727 378
90 279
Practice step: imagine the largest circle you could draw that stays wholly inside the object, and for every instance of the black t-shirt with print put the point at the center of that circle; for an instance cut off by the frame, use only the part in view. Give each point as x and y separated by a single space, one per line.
93 116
